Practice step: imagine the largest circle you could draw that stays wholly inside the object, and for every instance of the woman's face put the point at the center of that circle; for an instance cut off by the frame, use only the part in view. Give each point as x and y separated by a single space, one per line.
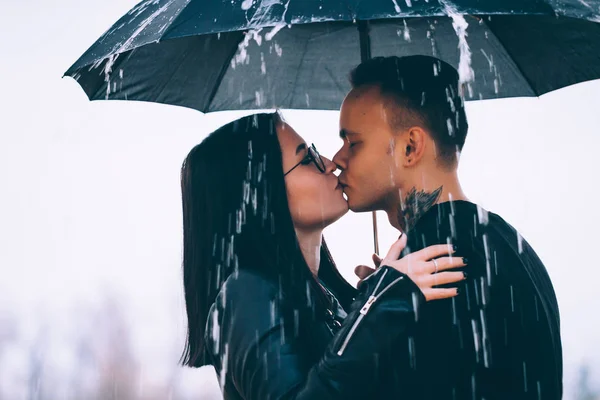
315 198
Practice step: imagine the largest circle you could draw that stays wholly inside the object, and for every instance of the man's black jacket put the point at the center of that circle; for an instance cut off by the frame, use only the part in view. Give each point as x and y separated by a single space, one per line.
500 338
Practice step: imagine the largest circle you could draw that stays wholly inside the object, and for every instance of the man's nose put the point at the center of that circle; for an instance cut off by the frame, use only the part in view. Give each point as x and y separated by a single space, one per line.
339 159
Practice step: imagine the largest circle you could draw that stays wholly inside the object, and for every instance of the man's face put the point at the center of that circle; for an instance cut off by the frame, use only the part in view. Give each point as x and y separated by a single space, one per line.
367 159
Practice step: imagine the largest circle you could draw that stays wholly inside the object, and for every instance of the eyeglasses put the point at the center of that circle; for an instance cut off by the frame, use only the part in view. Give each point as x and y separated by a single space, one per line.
312 156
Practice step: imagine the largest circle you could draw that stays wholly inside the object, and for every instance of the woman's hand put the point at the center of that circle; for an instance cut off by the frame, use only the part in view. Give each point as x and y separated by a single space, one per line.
425 267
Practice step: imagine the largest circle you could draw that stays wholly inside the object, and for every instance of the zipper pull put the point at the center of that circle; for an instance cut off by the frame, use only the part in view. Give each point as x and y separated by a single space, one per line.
365 309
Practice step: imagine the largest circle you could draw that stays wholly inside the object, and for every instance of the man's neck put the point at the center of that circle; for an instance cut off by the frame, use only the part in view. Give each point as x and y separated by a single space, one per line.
416 201
310 245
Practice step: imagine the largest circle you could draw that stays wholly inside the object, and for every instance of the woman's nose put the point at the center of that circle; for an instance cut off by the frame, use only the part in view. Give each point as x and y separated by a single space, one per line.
329 165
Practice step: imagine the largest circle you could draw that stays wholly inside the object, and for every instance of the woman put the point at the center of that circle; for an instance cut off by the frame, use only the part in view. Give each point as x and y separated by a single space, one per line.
256 198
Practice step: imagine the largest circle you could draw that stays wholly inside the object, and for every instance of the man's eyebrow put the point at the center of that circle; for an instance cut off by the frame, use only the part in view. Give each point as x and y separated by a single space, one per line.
300 148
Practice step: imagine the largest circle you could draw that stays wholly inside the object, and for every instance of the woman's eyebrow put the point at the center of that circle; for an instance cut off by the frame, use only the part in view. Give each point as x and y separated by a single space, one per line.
300 148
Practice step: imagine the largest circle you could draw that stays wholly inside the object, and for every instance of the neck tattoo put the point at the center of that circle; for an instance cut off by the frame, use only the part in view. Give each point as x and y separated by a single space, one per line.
415 205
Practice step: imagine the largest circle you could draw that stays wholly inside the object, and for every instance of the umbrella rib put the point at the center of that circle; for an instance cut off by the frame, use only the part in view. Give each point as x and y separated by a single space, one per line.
535 92
218 81
170 28
298 73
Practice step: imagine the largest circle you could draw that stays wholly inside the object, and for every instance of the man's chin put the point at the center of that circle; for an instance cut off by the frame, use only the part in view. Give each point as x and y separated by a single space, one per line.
358 207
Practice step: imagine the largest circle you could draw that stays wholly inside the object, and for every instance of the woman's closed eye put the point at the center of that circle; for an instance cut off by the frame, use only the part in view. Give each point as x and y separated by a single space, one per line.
306 160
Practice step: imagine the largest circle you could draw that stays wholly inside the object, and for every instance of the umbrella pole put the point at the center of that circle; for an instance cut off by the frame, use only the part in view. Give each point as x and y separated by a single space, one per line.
365 54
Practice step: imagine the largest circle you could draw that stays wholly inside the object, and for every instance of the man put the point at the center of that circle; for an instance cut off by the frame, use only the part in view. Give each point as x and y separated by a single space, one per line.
404 125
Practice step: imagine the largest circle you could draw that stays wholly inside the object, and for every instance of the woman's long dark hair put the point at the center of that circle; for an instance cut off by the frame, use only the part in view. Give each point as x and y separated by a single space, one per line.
235 216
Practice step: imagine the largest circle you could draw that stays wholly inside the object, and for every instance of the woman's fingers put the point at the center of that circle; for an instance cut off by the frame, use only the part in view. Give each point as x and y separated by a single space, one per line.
434 251
362 271
395 250
376 260
443 278
445 263
438 294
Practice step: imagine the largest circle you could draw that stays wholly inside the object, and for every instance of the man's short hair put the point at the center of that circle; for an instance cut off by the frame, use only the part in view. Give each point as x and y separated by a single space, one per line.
425 91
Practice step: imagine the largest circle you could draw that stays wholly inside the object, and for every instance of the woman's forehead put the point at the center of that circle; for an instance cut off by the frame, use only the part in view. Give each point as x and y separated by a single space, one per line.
288 137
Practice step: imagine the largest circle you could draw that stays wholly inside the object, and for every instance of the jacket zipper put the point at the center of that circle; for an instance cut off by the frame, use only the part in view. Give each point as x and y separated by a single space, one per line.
365 309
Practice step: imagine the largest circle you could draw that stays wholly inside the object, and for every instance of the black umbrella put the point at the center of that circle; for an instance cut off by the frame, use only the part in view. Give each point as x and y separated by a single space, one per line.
214 55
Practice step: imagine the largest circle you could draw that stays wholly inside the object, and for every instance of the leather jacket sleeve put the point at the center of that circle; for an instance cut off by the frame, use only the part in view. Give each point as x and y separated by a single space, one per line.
265 360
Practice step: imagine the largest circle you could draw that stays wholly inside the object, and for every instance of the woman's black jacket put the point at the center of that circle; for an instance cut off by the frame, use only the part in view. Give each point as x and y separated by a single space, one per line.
266 347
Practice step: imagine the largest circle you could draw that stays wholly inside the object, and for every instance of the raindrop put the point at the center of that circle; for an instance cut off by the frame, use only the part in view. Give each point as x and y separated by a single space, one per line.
477 301
408 3
307 100
396 6
263 66
454 317
259 97
452 225
468 297
483 216
273 311
460 26
520 242
296 323
308 295
476 339
450 100
121 73
406 32
224 360
512 299
490 59
411 352
246 4
485 341
525 376
216 331
450 127
415 301
483 290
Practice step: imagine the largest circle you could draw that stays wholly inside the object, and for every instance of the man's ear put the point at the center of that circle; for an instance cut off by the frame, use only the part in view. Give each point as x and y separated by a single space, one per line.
413 146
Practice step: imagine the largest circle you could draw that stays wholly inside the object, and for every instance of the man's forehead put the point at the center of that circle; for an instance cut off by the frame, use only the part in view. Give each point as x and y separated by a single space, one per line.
364 93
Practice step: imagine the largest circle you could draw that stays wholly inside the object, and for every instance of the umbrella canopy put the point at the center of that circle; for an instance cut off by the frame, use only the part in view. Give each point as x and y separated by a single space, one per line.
214 55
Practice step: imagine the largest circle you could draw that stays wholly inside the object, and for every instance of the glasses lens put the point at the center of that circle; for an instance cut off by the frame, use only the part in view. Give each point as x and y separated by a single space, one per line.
317 158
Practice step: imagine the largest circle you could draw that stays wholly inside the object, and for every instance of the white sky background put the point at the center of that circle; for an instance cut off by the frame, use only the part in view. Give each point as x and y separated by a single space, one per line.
90 195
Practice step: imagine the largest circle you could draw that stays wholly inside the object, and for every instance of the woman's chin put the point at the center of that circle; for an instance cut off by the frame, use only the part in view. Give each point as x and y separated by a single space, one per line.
335 216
